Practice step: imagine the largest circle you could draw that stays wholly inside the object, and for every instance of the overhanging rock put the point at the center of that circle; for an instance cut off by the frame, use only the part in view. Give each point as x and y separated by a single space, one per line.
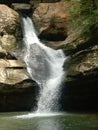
22 7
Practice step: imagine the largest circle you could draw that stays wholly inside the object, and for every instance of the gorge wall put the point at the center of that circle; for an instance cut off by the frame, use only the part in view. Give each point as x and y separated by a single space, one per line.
17 90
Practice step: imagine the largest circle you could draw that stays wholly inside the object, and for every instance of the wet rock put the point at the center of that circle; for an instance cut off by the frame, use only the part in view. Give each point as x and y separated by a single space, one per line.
82 72
18 97
40 67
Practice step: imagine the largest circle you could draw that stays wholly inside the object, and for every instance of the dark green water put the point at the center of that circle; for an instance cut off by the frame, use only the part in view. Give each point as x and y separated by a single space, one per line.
10 121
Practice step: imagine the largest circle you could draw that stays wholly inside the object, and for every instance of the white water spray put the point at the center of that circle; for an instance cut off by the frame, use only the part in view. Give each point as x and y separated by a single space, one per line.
45 66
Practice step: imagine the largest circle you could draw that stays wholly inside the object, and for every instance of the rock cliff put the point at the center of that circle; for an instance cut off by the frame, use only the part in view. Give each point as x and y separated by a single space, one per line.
51 20
17 90
82 68
79 44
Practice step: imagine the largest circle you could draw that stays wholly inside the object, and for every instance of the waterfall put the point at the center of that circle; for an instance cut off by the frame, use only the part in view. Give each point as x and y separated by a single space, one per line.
45 66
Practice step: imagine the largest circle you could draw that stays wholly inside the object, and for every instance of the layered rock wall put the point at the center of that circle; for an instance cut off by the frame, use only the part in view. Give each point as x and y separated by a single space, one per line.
17 90
81 47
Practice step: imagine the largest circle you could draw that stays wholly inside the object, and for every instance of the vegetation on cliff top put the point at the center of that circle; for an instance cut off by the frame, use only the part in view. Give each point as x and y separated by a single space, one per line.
84 13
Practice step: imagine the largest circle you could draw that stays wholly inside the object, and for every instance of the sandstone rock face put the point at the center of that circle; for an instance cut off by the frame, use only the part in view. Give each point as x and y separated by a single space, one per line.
12 71
81 91
9 28
51 20
17 90
81 47
9 21
22 7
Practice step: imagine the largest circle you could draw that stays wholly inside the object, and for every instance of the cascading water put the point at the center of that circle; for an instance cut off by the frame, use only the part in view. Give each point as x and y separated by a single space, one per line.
44 66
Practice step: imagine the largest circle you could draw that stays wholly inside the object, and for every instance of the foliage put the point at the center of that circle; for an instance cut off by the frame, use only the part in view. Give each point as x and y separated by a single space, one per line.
83 14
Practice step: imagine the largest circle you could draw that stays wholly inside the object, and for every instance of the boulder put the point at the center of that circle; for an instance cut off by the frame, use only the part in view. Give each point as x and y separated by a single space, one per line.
51 20
9 21
10 32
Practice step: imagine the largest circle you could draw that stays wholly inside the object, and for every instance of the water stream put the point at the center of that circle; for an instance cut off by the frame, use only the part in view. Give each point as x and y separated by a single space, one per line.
45 66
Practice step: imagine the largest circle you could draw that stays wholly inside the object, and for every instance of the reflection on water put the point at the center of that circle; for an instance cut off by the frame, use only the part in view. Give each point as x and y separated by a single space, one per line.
9 121
49 125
